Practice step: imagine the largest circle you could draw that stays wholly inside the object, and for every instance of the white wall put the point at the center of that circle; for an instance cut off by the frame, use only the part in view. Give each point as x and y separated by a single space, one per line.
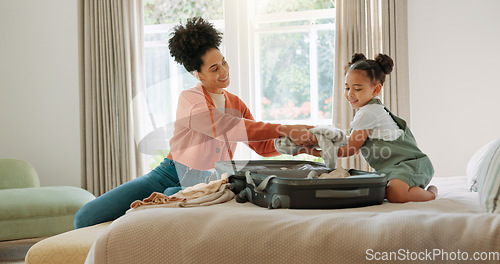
454 78
39 88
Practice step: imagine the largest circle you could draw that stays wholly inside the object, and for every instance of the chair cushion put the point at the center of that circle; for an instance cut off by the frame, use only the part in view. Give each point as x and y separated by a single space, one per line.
39 212
17 174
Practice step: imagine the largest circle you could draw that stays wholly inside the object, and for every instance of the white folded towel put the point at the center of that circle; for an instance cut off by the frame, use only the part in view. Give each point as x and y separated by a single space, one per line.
329 140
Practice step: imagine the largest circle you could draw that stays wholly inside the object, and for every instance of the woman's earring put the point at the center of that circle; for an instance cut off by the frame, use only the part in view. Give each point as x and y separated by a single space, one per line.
196 75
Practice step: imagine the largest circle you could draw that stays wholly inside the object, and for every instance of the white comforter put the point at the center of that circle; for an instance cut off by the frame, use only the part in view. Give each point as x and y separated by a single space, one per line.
445 230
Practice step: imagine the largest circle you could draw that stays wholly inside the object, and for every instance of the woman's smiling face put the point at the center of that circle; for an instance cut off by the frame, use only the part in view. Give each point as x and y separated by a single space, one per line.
359 89
214 73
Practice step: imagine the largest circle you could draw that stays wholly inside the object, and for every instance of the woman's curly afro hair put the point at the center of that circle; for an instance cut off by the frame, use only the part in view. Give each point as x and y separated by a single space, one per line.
189 42
376 69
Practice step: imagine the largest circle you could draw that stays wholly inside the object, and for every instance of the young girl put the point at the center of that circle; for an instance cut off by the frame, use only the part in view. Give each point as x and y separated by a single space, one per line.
384 140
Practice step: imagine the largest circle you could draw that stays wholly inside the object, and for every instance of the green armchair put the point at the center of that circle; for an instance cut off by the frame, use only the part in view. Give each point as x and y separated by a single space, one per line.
28 210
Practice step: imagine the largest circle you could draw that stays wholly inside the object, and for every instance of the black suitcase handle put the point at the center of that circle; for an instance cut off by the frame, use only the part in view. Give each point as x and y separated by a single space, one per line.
262 186
247 193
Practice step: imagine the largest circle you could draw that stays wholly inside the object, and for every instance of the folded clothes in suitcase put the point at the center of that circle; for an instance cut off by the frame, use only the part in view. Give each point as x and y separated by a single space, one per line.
284 184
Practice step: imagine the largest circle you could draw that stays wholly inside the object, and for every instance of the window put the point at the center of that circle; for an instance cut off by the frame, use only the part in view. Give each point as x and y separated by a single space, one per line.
280 52
293 61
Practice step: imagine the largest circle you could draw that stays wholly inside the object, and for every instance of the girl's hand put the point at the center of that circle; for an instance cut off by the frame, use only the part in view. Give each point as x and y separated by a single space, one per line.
356 141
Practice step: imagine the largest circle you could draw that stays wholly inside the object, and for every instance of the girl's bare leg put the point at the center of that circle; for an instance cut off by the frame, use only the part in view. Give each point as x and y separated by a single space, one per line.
398 191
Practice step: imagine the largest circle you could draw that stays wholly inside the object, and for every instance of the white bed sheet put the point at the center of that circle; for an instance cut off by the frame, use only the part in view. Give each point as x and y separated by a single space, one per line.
450 227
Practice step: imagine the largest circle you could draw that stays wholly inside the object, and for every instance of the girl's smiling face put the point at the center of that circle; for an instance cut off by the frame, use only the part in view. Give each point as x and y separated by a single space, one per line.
214 73
359 89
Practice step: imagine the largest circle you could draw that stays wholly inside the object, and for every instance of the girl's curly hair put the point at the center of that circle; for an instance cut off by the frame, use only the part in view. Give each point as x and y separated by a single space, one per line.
375 69
189 42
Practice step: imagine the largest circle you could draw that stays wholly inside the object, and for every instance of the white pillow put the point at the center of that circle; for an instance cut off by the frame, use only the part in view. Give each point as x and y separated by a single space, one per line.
476 165
483 173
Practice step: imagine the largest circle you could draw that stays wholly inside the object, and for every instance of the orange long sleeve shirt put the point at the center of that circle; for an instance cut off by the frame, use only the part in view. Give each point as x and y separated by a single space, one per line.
204 135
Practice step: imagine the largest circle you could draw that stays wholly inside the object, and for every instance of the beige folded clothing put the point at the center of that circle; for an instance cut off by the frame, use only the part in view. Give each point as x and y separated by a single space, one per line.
201 194
338 173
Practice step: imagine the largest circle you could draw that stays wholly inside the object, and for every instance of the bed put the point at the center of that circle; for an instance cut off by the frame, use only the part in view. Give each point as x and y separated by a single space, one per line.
461 226
449 229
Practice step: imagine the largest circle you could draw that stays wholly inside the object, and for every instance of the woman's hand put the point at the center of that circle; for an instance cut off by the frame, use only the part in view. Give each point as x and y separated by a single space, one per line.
299 134
309 150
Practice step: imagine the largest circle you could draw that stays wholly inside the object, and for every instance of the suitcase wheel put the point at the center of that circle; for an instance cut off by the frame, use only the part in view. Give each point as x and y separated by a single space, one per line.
243 196
240 198
276 203
279 201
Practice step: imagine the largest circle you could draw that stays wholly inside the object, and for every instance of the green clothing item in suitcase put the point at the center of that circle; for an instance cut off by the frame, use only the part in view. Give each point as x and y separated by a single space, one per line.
284 184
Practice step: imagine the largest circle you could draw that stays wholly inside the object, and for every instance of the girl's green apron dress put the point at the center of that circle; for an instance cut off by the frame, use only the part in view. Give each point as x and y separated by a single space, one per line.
400 158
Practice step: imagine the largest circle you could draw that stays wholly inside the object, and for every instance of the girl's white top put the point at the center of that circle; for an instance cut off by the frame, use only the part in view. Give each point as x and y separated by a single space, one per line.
374 117
219 101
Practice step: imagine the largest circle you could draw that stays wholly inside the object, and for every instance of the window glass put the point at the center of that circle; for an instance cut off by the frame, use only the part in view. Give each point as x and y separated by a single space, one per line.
263 7
294 44
158 12
294 60
325 73
284 74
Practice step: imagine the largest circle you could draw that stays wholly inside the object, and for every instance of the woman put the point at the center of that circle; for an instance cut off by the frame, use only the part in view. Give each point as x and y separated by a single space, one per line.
209 123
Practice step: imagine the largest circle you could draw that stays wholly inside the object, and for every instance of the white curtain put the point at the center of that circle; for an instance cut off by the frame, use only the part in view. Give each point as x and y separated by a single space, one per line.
371 27
113 74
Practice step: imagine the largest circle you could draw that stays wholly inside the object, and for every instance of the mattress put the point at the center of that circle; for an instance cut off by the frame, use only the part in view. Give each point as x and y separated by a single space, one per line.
444 230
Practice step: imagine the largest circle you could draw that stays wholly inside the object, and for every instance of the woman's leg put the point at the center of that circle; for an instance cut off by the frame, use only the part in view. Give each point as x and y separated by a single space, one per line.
116 202
188 177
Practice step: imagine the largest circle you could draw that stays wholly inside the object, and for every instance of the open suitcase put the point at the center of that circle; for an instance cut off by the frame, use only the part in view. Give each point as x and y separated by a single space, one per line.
283 184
